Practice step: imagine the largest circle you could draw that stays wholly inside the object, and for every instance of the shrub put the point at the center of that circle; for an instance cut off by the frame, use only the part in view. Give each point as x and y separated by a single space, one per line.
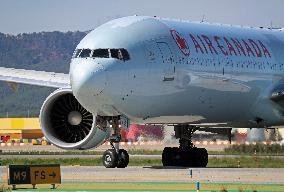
258 148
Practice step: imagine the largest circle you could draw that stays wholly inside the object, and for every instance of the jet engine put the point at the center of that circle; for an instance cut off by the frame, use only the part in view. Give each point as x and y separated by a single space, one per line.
68 125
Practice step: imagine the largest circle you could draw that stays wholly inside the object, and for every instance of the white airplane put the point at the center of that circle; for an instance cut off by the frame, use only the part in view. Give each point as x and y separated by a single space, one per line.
160 71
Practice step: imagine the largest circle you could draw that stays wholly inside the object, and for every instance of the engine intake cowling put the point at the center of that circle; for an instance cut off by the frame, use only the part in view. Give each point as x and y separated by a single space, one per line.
67 124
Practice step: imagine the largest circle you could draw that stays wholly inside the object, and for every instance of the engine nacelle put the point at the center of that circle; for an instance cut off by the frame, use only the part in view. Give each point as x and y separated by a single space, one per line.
68 125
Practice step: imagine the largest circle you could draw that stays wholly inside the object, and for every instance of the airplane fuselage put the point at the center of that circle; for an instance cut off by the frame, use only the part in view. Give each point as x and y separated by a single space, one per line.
180 72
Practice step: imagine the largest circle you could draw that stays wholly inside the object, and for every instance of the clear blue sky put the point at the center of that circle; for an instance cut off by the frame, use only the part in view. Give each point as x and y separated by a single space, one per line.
18 16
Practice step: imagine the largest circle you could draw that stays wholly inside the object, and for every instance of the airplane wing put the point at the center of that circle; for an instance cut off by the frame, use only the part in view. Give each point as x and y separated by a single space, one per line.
31 77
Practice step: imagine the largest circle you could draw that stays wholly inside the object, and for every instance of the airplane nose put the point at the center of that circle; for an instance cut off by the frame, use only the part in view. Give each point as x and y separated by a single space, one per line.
88 79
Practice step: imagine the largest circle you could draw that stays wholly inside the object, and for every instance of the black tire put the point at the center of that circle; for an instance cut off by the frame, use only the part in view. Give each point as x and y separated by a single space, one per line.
171 156
166 156
110 158
186 158
123 158
195 157
202 157
175 156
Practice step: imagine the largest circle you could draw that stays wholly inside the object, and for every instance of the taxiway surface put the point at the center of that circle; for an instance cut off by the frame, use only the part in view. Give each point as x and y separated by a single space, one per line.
87 178
169 174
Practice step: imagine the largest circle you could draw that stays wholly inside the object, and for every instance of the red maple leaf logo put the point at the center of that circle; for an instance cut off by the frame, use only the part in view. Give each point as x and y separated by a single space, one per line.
181 42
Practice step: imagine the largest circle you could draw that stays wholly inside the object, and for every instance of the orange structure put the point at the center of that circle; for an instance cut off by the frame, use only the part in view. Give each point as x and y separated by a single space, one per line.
20 128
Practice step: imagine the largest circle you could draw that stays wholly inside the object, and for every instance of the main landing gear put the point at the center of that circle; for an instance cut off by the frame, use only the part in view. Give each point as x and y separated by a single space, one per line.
115 157
186 155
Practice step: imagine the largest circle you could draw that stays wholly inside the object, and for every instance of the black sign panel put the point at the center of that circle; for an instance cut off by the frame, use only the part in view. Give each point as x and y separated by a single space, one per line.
19 174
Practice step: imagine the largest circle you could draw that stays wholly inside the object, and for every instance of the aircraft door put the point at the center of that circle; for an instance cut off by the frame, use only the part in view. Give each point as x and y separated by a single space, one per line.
167 60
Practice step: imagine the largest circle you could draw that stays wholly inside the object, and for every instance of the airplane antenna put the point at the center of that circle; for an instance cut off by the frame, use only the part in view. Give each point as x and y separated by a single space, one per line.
203 18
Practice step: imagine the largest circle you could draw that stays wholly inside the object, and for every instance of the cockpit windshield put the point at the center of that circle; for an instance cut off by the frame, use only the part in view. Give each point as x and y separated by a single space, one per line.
100 53
85 53
121 54
76 53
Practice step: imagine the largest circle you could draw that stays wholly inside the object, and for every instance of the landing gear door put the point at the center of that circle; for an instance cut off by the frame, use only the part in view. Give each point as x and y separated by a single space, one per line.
124 122
167 61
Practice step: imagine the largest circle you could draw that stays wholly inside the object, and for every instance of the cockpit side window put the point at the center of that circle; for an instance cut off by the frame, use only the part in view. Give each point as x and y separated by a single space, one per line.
125 54
85 53
121 54
101 53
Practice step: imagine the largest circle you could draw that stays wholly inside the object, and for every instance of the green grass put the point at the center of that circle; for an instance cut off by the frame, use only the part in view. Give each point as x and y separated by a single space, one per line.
79 152
246 162
243 162
259 149
152 186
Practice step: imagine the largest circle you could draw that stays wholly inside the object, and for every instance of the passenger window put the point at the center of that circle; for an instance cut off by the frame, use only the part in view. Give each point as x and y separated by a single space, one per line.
85 53
101 53
76 53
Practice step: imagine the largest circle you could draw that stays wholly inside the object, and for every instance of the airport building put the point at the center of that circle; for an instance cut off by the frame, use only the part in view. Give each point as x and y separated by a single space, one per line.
29 128
20 128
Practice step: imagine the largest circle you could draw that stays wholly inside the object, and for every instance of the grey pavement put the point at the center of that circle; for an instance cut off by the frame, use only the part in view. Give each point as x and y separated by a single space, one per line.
169 174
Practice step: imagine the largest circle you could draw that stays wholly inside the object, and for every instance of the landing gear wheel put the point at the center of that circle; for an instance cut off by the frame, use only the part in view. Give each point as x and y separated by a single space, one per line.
191 157
186 155
202 157
175 156
171 156
123 158
110 158
166 156
114 157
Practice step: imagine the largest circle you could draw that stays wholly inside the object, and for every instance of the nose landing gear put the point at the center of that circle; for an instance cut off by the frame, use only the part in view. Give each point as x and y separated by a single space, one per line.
186 155
110 158
115 157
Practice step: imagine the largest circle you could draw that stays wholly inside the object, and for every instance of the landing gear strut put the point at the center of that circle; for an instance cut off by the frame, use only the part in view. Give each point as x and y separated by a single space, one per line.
115 157
186 155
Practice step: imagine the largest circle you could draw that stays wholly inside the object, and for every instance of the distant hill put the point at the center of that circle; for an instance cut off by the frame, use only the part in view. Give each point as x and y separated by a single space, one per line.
45 51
